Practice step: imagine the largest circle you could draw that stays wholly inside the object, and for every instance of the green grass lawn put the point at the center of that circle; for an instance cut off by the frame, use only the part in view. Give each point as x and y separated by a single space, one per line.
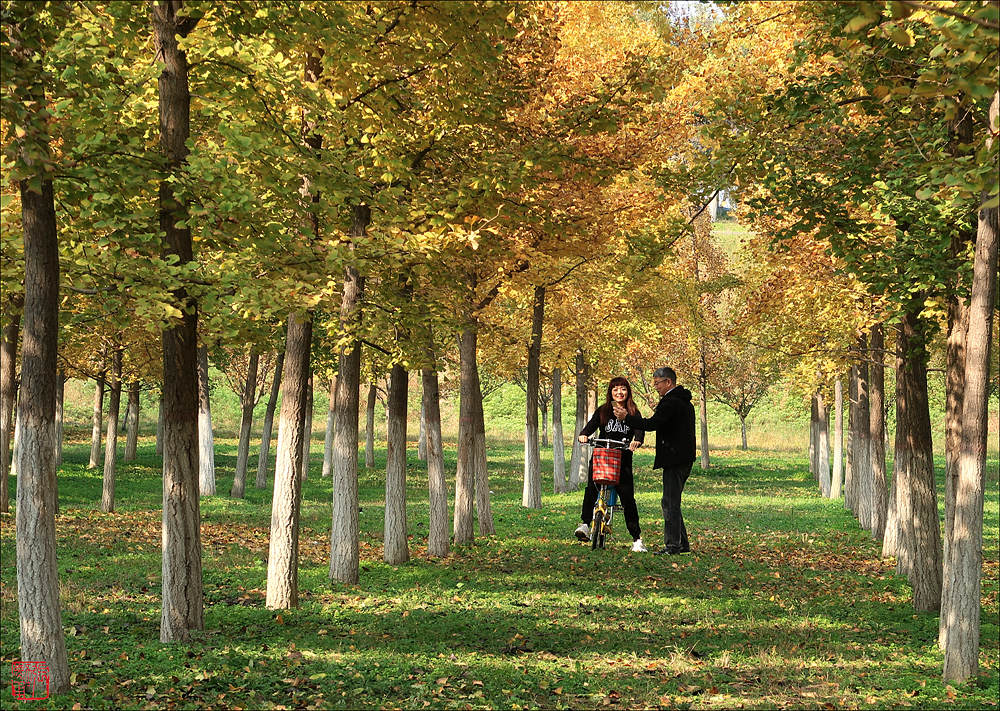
784 602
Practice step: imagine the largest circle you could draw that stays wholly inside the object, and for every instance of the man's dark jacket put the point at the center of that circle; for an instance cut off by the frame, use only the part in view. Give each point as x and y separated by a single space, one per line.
673 421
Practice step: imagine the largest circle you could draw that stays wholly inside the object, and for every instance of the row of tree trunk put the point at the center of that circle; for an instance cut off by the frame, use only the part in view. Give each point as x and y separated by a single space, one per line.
945 572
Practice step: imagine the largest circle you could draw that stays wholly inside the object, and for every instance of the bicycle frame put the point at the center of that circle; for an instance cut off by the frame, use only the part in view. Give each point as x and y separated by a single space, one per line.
606 503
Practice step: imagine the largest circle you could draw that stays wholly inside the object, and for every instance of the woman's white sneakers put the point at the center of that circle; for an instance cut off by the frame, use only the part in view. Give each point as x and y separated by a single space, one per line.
582 532
638 547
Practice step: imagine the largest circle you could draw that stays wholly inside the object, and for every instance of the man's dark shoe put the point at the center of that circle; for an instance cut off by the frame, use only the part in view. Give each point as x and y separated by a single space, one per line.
668 550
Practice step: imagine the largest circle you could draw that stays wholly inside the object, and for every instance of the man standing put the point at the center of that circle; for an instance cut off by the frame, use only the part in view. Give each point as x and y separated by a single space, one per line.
673 421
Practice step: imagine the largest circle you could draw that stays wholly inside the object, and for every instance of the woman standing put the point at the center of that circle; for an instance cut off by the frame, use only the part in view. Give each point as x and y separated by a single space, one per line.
610 427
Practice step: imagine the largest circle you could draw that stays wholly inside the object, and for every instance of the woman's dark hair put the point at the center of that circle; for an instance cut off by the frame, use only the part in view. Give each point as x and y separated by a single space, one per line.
606 410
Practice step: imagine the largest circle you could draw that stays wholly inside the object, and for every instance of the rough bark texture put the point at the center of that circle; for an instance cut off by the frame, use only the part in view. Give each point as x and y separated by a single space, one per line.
331 414
465 476
559 483
396 550
96 423
849 483
283 548
578 461
206 439
183 600
111 440
247 399
132 422
965 559
344 563
876 432
919 545
263 458
307 436
837 477
813 435
531 493
370 425
41 629
8 367
437 534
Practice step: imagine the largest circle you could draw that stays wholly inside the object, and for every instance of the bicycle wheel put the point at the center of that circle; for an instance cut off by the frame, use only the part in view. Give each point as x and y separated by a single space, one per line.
597 530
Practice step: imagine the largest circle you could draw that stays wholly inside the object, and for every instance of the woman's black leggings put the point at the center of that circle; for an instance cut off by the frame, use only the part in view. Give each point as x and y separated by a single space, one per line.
626 496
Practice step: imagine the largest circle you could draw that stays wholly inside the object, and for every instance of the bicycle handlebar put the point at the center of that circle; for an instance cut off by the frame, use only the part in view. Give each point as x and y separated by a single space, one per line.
608 443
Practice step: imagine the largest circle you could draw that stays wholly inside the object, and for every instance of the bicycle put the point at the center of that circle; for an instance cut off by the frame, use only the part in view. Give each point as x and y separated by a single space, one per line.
607 469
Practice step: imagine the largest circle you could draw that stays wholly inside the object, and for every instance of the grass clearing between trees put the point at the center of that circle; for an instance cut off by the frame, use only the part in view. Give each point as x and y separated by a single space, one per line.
784 601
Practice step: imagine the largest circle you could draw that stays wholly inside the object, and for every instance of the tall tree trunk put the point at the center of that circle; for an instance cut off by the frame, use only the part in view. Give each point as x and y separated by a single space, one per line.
465 476
900 487
206 439
396 549
247 399
703 410
111 441
860 429
60 415
132 422
37 570
823 444
263 459
344 550
484 509
159 427
837 478
543 410
578 462
965 559
183 599
283 548
531 494
307 437
558 446
370 425
97 422
743 432
422 434
958 324
331 415
8 385
876 432
850 483
919 546
813 435
437 535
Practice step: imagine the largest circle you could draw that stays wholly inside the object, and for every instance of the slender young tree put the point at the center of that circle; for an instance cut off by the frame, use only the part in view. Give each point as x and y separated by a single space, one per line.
307 437
559 484
248 397
370 425
531 496
344 545
437 536
8 381
132 422
837 478
283 547
97 420
578 461
876 432
331 414
264 456
396 550
111 448
60 414
206 439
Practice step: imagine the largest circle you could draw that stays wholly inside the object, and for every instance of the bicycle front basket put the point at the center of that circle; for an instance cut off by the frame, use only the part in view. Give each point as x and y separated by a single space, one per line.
607 465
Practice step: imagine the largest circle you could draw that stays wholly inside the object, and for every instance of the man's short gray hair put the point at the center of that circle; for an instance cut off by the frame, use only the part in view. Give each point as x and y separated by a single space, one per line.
665 374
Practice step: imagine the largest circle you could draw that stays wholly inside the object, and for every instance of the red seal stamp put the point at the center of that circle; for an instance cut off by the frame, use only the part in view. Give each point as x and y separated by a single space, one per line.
29 681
